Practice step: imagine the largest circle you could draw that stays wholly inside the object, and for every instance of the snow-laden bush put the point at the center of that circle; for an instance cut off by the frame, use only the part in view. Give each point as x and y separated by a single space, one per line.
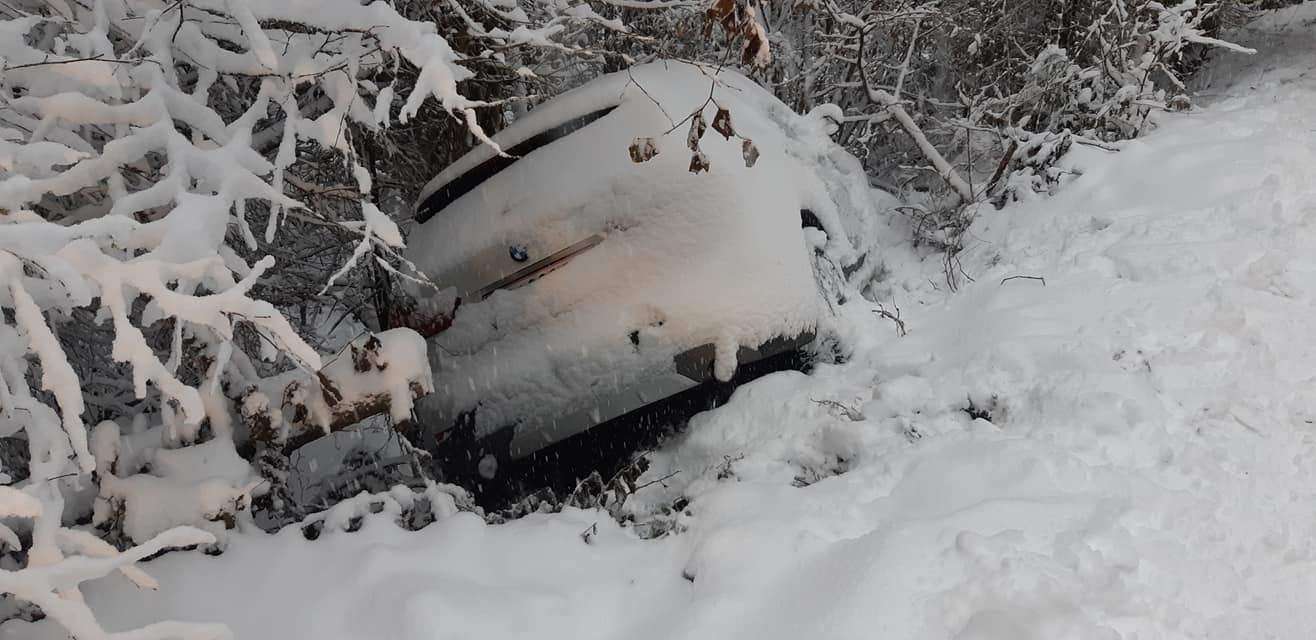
1101 95
153 160
945 101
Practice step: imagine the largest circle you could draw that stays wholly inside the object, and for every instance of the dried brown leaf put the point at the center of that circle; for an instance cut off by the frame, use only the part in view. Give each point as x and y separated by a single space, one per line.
739 22
643 149
722 123
750 152
698 162
697 129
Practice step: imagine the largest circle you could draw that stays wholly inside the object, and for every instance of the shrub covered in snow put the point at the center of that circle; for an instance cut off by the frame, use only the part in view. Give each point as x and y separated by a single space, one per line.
962 101
155 157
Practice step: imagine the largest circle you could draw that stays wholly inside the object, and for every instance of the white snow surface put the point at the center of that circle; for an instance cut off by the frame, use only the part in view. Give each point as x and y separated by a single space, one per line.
1147 470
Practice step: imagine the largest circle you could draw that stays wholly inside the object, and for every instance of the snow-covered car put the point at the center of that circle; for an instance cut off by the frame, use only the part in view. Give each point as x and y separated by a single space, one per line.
595 272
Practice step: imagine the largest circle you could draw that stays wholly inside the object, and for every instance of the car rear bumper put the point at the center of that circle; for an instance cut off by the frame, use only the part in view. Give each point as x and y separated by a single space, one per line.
460 447
690 369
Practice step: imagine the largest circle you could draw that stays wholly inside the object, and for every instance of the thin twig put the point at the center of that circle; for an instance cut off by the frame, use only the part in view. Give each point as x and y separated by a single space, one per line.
96 58
1040 278
1000 168
900 324
650 97
657 481
853 414
909 53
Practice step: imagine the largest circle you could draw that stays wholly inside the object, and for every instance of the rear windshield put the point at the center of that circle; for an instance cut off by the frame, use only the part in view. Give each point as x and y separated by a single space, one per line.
463 184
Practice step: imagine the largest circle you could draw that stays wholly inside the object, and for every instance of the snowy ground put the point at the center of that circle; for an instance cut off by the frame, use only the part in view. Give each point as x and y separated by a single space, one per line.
1146 467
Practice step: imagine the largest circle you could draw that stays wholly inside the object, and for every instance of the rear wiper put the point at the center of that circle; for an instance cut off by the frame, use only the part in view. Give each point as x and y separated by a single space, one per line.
533 271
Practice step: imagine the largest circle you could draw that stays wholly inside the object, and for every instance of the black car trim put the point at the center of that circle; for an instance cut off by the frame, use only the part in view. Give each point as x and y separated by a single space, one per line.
697 364
467 182
809 219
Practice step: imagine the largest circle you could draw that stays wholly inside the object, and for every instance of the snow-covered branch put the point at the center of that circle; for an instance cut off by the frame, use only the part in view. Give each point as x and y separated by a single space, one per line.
139 141
377 374
892 105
